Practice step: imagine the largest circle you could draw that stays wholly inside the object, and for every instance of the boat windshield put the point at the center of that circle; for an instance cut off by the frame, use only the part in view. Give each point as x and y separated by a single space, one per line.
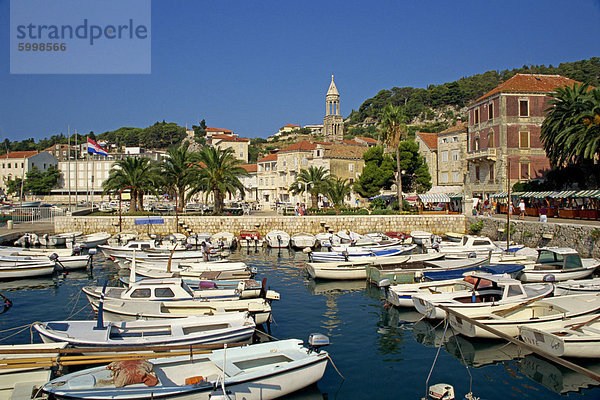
464 240
550 257
187 288
573 261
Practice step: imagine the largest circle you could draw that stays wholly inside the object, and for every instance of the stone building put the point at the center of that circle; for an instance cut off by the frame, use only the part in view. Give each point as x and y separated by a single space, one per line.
428 148
504 127
250 182
451 150
61 151
237 144
333 122
267 185
16 164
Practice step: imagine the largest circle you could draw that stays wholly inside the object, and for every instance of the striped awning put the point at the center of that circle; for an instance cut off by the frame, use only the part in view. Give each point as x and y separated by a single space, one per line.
517 194
455 196
564 194
592 194
500 195
434 198
543 195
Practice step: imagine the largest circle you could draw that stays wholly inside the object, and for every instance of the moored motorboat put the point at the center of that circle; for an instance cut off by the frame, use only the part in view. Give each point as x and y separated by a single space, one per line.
277 239
260 371
303 240
421 237
223 240
91 240
28 269
139 246
579 286
206 329
250 238
547 313
59 239
490 293
358 254
557 264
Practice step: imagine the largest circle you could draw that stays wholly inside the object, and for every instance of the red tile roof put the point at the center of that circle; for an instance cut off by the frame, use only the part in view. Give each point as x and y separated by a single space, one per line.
270 157
366 139
430 139
303 145
527 83
211 129
353 143
250 167
292 126
20 154
228 138
459 127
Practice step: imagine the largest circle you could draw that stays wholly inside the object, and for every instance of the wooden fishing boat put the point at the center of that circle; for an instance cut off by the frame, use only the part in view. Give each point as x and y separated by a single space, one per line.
197 275
260 371
555 264
206 329
277 239
490 293
131 310
66 262
197 238
303 240
571 338
22 381
28 269
548 313
421 237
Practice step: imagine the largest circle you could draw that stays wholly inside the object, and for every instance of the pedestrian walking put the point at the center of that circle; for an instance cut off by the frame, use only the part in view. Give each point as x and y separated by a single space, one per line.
297 209
522 209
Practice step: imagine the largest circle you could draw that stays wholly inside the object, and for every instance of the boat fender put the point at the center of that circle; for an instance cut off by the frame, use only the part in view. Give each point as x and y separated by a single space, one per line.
473 297
549 278
92 251
192 380
472 254
307 250
441 391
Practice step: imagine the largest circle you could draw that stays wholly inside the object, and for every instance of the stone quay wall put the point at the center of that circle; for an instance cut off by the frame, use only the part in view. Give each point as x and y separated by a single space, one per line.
583 238
291 224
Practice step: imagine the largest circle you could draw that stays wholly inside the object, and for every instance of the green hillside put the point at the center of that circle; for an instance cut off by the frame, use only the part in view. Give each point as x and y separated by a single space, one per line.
419 102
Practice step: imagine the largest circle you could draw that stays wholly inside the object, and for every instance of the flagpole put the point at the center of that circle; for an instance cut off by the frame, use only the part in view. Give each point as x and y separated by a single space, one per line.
69 162
76 171
92 183
87 171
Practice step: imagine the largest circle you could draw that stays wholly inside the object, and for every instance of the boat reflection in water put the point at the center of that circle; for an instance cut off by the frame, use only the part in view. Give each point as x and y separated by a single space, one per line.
334 288
555 377
480 353
430 333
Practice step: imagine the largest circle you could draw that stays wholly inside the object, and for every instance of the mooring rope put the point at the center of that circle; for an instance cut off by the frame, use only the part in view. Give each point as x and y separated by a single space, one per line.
436 356
21 328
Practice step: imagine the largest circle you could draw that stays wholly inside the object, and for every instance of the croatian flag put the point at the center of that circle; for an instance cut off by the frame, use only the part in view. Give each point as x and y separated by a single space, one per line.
94 148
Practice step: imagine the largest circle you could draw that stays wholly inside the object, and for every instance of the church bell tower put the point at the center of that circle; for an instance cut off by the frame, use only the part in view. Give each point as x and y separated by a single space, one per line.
333 122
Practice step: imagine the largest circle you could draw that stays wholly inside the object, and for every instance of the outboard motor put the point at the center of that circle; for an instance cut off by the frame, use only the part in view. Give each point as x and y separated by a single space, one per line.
316 341
345 255
384 284
91 252
436 247
54 258
278 240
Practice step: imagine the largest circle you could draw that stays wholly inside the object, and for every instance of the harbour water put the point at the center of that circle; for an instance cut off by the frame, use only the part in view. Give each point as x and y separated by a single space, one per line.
381 352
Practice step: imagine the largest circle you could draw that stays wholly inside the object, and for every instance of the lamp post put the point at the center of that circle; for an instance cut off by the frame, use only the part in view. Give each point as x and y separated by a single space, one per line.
120 217
306 186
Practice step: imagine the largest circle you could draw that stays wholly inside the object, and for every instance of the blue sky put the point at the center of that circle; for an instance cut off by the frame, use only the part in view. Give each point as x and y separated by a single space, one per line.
254 66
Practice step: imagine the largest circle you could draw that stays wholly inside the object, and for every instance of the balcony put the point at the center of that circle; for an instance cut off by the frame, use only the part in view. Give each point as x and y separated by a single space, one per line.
481 155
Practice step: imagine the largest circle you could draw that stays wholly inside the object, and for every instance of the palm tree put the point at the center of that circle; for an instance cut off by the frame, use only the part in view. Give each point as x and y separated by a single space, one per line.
179 171
219 174
392 131
337 189
565 128
314 179
135 173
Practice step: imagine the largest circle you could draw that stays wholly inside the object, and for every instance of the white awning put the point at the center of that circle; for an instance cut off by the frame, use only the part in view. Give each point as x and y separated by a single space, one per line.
434 198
